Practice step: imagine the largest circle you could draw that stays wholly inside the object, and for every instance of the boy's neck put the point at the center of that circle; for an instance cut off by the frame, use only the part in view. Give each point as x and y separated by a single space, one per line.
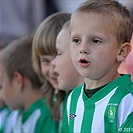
92 84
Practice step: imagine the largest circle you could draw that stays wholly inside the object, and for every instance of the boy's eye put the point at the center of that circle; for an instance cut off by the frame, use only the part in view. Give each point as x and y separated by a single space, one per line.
76 40
96 41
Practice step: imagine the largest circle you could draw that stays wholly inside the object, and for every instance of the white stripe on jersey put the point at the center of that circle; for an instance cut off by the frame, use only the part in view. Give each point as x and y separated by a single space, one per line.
3 116
30 124
79 110
68 106
99 113
124 108
10 123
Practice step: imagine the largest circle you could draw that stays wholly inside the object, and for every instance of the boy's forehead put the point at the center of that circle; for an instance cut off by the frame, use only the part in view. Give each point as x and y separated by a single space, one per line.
87 15
85 18
92 25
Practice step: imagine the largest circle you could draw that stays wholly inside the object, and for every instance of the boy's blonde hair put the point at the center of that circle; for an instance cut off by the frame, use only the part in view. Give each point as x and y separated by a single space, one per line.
17 57
113 11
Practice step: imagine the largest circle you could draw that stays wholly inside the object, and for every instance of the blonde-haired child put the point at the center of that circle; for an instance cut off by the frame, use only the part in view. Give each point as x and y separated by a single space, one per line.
44 50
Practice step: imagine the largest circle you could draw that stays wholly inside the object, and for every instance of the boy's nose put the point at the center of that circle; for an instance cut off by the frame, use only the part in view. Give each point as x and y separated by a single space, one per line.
83 52
84 49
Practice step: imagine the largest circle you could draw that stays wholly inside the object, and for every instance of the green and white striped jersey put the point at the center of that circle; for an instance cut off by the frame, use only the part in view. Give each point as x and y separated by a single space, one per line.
110 110
37 119
7 119
4 112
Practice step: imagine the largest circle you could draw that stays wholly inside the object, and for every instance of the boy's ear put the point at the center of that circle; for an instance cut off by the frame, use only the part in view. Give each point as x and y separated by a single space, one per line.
19 80
123 51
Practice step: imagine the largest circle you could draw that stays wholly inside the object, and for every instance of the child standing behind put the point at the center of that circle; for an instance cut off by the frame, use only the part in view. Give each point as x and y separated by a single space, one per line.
7 117
44 50
21 88
68 77
100 32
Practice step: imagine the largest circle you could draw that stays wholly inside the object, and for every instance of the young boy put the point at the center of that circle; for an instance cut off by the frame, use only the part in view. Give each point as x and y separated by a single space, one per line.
100 33
21 88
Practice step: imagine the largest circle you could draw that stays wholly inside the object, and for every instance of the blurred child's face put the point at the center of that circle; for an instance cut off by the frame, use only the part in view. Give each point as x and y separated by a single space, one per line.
68 77
48 70
10 92
94 47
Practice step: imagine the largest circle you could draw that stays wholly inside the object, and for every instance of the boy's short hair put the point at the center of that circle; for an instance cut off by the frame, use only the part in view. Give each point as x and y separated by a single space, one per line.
118 14
45 37
17 57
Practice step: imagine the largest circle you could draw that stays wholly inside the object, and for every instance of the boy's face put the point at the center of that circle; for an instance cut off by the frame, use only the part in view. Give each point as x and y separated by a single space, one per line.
94 47
10 92
67 74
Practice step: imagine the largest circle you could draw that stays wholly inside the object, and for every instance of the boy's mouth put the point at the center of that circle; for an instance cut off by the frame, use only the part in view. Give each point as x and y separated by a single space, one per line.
84 62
